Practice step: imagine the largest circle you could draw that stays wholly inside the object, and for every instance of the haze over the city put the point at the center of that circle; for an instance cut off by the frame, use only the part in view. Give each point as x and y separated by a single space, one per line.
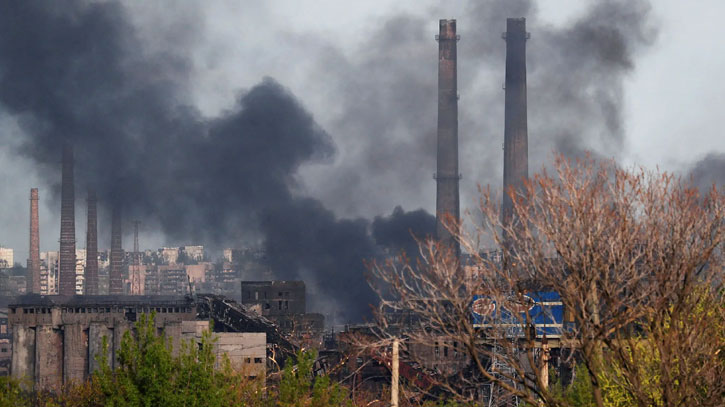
279 123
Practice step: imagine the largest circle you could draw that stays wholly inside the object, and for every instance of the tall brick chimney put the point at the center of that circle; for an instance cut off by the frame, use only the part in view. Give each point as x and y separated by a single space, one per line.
33 278
516 155
447 177
67 256
115 283
91 283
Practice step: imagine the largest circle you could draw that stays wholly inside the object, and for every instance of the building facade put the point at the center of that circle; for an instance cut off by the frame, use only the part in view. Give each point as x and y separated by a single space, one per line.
284 303
55 339
7 258
49 273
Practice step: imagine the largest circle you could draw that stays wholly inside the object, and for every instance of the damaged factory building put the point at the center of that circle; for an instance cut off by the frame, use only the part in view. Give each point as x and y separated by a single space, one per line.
285 304
56 339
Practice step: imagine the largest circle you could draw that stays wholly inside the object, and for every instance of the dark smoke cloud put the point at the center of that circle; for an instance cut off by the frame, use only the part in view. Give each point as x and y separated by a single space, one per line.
709 171
79 74
400 230
387 95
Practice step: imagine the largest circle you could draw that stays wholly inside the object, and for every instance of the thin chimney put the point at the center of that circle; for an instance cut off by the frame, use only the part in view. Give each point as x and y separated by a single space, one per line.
447 176
33 279
91 282
67 266
516 156
115 283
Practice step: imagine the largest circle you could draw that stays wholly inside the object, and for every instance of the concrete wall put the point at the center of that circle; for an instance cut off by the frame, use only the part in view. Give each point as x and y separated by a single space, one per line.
96 333
58 343
75 353
23 358
48 357
275 297
247 351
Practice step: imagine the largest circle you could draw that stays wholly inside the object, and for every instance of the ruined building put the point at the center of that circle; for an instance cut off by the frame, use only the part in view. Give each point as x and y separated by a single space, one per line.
447 176
284 303
55 339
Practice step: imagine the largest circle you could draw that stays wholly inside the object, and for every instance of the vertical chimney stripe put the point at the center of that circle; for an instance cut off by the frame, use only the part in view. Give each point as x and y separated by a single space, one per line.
115 284
516 156
33 279
447 177
67 266
91 276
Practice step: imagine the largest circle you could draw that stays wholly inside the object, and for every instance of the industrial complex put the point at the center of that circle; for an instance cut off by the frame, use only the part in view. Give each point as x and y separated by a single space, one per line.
54 326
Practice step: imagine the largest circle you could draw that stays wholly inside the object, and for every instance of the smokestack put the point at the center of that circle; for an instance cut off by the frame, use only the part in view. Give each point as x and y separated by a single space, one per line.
447 177
91 282
115 283
33 279
516 155
67 266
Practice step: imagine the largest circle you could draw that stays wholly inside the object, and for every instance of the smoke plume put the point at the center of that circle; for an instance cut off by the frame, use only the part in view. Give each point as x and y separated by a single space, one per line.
386 89
709 171
79 72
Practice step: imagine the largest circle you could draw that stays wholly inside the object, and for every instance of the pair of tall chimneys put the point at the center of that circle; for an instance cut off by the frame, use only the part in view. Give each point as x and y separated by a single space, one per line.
67 255
515 125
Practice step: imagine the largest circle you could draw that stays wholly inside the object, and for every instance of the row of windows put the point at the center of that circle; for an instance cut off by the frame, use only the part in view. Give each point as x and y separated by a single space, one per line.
102 310
249 360
248 294
445 350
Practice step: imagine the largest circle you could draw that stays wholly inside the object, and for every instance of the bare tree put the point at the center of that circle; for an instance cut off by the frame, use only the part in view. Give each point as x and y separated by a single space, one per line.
635 258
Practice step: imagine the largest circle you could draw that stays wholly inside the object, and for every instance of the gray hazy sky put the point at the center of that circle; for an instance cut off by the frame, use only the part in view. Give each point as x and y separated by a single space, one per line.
673 97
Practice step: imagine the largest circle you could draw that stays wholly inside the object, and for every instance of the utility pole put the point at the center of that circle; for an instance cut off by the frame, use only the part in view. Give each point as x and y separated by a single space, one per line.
394 384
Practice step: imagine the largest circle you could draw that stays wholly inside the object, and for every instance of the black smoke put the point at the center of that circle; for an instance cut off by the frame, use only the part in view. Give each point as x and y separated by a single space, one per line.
78 73
709 171
399 230
385 89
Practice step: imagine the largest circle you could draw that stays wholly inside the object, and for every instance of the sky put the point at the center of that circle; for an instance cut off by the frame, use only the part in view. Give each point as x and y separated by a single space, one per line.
636 81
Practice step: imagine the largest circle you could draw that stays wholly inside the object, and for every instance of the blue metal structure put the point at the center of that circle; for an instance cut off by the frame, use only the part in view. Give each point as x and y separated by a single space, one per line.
542 310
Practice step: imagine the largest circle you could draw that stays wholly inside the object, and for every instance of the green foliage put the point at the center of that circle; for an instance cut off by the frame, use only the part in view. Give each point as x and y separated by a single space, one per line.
298 387
580 392
12 394
149 374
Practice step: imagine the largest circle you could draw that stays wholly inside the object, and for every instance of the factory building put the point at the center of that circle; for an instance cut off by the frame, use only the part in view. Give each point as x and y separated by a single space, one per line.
285 304
55 339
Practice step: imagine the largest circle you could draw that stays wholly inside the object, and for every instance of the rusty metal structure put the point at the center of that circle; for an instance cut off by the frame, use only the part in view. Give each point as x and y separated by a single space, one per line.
447 176
91 282
67 256
33 278
115 283
516 156
230 316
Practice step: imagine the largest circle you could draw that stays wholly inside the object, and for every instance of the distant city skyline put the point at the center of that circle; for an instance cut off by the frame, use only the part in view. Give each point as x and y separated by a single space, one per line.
167 117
